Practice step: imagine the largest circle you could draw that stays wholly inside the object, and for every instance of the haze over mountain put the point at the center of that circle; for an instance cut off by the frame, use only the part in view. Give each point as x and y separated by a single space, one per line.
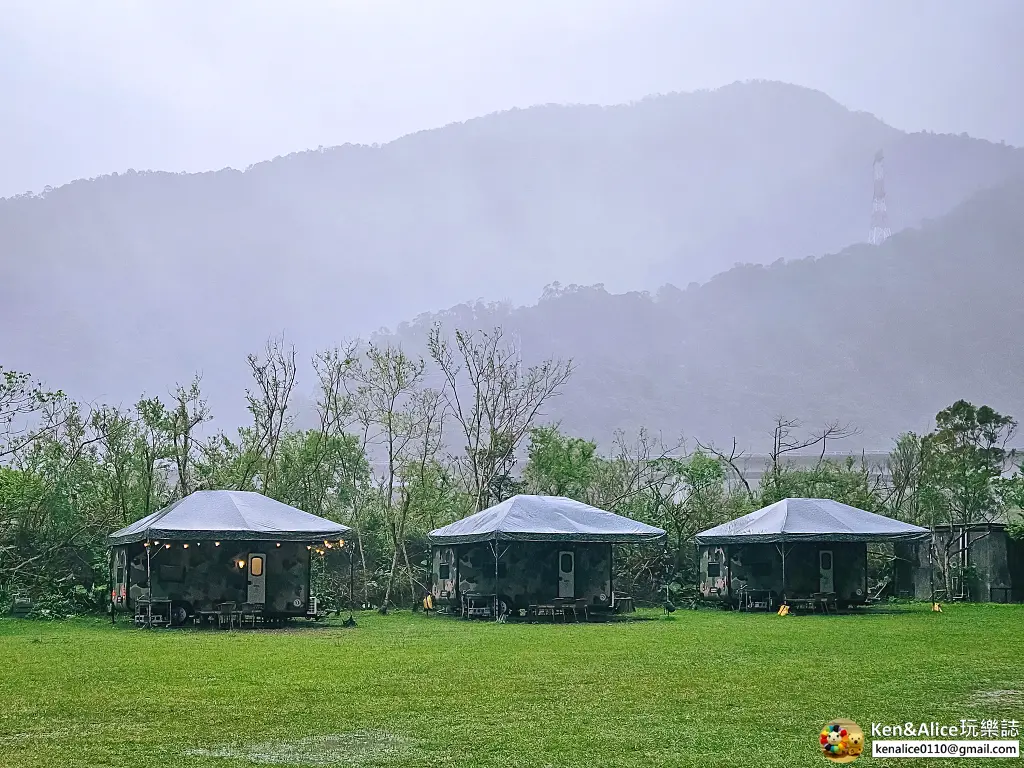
880 338
91 88
129 282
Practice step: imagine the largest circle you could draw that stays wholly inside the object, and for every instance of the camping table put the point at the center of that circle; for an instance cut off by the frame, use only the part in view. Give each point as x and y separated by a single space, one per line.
476 604
755 598
205 617
149 611
550 609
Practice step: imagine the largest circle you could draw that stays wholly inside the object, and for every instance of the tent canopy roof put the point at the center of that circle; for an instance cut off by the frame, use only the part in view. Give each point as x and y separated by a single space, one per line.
810 520
238 515
545 518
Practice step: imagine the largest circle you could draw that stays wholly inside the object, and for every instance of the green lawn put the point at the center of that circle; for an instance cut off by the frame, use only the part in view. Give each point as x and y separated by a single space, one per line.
702 688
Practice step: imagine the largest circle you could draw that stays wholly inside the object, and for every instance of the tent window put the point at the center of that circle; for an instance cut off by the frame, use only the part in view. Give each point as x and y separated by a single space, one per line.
444 572
256 566
714 570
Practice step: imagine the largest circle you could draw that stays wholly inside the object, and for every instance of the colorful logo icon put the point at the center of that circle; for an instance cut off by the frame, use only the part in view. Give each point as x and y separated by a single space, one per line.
841 741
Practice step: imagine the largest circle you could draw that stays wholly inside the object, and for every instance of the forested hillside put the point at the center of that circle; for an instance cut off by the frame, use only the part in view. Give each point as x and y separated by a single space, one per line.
878 337
121 284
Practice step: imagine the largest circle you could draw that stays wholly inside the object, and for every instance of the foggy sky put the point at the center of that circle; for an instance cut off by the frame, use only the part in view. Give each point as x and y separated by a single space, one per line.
91 88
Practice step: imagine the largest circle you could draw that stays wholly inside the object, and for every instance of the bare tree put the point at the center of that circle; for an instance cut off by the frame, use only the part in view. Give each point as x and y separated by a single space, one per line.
785 441
427 412
180 425
494 399
388 384
340 409
27 411
732 461
268 403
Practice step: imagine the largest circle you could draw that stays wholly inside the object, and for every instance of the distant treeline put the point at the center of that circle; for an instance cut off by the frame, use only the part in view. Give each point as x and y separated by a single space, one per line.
381 461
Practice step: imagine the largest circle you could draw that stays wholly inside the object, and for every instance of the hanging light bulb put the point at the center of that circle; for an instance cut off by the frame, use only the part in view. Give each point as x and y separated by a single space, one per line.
309 546
278 544
241 563
341 542
185 545
216 543
167 546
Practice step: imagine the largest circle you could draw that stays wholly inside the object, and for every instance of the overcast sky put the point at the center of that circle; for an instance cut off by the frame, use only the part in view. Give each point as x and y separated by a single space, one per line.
91 88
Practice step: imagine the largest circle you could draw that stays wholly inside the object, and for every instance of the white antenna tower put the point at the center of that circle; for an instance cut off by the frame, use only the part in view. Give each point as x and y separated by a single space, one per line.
880 231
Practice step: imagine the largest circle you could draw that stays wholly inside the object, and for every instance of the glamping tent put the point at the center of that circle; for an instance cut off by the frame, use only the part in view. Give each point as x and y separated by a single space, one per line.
217 548
795 551
529 553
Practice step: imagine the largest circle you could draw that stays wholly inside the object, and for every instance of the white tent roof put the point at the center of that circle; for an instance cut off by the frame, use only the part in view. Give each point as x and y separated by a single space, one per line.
229 515
545 518
810 520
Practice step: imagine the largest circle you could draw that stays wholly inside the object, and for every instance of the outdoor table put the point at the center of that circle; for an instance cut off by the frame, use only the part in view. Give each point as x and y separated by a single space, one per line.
471 604
755 598
549 609
149 611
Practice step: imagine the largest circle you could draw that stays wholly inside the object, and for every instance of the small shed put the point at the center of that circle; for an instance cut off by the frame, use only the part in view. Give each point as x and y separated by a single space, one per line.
795 549
219 547
530 551
987 564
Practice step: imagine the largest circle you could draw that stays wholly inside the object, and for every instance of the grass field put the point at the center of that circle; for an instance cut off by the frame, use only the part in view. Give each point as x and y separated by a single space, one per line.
702 688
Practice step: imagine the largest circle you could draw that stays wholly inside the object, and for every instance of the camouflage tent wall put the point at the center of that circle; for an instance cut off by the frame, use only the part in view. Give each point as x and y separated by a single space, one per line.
527 572
912 575
727 569
200 577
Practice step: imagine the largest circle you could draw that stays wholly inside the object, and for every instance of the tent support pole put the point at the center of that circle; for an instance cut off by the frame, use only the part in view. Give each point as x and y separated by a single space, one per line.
931 567
611 575
350 621
149 586
110 569
495 579
782 552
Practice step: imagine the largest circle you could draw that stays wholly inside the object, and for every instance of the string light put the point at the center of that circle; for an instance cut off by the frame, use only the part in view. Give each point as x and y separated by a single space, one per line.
167 546
241 563
279 543
185 545
341 542
216 543
309 546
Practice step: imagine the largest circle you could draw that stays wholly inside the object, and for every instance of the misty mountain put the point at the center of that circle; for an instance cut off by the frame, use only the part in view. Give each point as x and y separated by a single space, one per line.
126 283
880 337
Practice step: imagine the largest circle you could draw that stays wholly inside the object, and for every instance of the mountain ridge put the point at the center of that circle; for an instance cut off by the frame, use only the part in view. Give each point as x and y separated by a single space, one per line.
881 329
129 283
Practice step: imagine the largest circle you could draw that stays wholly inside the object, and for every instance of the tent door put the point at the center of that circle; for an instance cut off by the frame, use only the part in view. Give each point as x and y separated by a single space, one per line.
826 576
257 578
566 574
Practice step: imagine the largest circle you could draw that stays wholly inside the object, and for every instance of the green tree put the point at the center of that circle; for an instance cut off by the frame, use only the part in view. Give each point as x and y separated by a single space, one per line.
560 465
964 458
